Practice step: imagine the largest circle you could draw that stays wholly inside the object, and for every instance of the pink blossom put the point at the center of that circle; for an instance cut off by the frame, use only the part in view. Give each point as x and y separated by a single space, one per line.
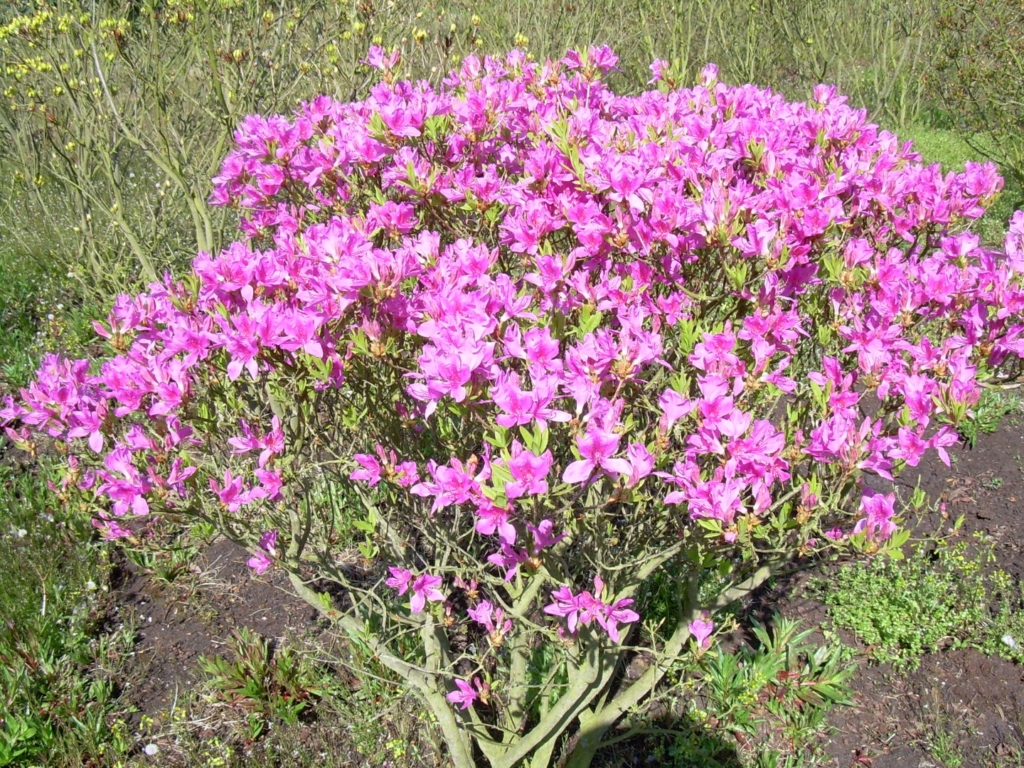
492 519
400 579
424 590
231 493
543 535
492 619
528 472
701 630
370 469
267 550
584 608
509 558
466 694
641 463
878 509
260 562
597 447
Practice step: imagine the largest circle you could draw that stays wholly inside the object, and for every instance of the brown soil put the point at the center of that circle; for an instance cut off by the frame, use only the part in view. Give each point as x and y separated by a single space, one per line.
179 623
973 701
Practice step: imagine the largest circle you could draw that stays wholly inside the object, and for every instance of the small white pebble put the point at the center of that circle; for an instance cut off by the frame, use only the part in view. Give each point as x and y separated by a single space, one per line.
151 749
1010 643
90 585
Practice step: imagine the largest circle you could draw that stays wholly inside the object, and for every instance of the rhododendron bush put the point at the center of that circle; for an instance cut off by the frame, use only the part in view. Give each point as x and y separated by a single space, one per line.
558 351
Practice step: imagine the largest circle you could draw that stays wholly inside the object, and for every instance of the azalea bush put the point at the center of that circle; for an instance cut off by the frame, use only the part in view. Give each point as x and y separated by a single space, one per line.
521 381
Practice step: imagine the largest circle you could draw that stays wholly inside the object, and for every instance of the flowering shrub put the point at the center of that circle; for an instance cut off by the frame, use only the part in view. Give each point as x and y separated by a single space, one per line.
551 345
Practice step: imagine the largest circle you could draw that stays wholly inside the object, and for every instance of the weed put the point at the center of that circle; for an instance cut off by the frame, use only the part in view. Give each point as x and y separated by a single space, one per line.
992 484
163 562
774 696
945 597
992 406
943 746
783 676
268 686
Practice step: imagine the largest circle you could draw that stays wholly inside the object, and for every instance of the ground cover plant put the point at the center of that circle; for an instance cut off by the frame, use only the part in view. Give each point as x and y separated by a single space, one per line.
946 597
549 343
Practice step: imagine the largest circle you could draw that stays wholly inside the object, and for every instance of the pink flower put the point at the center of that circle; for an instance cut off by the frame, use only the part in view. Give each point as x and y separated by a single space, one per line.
268 548
529 472
380 59
878 509
658 69
111 530
400 578
584 608
542 535
492 519
260 562
616 614
424 590
270 483
565 604
407 474
641 463
268 542
597 447
509 558
466 695
370 472
230 494
701 630
493 620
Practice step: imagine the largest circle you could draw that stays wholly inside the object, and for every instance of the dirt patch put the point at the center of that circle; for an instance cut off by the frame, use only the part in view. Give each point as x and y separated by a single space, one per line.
959 708
179 623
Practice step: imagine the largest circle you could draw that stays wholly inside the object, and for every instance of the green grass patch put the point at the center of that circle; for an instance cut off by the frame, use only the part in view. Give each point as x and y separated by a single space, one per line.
40 312
21 313
951 596
59 667
986 415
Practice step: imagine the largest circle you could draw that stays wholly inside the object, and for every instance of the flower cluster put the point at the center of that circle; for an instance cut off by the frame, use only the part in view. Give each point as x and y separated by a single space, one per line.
580 610
599 326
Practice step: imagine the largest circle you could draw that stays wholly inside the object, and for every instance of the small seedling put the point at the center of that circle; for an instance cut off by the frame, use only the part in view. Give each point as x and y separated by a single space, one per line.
775 695
268 686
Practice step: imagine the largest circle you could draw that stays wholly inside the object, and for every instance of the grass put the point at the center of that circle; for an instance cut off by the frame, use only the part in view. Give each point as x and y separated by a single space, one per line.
39 313
988 412
22 312
60 667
